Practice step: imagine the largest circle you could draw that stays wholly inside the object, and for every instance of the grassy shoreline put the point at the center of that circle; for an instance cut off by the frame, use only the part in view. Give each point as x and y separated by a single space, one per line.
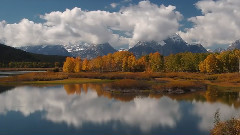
65 81
182 79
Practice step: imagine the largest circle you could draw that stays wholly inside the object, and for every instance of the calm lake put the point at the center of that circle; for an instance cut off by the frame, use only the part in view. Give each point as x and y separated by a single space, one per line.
89 110
12 73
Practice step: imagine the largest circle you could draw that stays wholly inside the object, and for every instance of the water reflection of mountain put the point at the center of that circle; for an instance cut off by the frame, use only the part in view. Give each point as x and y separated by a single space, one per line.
212 94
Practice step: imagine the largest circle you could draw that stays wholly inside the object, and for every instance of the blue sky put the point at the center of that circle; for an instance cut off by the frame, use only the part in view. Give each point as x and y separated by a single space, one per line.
206 30
13 11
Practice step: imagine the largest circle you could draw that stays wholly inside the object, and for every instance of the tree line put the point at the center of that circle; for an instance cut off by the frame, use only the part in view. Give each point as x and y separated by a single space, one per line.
224 62
30 65
125 61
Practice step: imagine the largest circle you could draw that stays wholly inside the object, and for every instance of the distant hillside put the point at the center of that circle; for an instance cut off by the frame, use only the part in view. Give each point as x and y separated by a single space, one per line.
46 50
10 54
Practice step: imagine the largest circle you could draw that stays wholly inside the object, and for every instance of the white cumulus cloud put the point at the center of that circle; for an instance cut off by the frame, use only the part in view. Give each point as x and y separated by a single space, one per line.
145 21
219 23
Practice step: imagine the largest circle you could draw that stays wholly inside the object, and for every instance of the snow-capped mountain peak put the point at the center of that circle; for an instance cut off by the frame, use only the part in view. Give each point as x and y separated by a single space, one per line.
176 38
86 50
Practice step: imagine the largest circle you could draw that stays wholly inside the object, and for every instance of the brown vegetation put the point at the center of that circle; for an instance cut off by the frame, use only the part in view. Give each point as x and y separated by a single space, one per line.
172 79
229 127
43 76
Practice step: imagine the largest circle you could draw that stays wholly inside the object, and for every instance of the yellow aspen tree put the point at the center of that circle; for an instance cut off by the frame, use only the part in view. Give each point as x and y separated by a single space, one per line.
156 62
132 63
212 64
141 64
125 64
78 65
202 67
85 65
69 65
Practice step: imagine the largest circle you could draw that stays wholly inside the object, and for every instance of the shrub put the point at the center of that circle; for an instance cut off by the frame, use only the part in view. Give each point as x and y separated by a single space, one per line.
229 127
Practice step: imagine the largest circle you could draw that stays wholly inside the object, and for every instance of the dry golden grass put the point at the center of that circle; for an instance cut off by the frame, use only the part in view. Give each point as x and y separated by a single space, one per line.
43 76
174 79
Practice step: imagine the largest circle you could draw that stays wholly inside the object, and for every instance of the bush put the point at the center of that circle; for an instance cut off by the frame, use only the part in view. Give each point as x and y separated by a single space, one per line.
229 127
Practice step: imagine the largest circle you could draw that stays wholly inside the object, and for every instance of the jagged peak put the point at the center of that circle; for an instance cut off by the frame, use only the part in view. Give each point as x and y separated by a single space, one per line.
176 38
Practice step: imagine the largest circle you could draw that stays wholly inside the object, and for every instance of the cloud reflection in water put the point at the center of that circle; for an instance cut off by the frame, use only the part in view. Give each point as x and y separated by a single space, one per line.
92 106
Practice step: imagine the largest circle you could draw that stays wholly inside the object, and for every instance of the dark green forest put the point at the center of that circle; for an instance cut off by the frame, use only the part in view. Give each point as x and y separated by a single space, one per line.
16 58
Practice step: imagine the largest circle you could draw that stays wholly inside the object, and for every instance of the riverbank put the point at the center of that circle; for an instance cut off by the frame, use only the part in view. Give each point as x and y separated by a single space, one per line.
39 78
178 82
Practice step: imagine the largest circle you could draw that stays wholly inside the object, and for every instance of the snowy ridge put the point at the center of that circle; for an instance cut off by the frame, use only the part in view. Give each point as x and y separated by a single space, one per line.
176 38
172 45
234 45
86 50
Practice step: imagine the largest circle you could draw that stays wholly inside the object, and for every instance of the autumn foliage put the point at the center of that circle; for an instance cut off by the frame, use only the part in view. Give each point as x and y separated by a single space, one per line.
224 62
119 61
124 61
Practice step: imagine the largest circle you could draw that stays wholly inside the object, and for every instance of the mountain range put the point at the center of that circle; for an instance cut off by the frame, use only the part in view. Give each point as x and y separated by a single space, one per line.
172 45
89 51
46 50
234 45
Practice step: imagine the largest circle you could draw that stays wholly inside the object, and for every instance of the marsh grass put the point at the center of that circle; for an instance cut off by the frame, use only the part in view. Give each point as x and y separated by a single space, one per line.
43 76
173 79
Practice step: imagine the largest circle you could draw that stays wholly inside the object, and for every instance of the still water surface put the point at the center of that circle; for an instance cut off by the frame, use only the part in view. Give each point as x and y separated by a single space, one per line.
88 109
13 73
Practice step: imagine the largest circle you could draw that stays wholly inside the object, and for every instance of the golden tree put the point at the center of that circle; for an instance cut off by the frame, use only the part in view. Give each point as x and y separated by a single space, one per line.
156 62
69 65
212 64
125 64
78 65
202 67
132 63
85 65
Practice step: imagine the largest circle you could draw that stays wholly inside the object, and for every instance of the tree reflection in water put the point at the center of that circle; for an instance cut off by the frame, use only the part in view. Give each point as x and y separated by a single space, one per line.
79 104
212 94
